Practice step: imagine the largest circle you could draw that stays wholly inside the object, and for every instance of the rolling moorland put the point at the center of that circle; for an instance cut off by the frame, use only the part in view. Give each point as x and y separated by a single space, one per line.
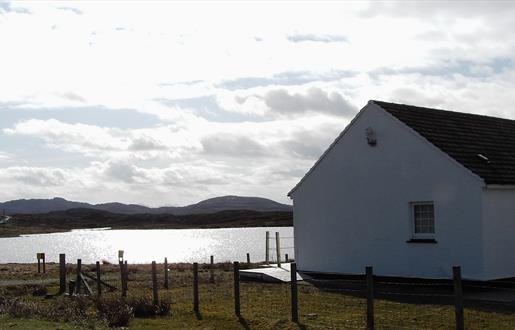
57 215
212 205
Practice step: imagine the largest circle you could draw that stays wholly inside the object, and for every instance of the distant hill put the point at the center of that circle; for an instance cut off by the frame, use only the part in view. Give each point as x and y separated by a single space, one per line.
28 206
226 203
212 205
89 218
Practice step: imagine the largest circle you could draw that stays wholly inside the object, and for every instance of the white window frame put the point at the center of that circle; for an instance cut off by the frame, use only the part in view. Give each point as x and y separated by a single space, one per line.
415 235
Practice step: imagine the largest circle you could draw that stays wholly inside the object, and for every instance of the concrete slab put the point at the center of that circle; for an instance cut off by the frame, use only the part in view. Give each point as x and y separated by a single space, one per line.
271 273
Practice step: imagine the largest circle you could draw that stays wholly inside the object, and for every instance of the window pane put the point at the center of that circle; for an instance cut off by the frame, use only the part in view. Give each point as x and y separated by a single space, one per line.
424 220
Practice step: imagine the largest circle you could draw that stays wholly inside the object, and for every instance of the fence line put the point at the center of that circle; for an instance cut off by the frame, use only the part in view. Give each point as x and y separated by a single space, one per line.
372 287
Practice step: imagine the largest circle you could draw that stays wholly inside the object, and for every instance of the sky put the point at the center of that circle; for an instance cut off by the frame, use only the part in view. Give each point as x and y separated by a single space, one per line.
169 103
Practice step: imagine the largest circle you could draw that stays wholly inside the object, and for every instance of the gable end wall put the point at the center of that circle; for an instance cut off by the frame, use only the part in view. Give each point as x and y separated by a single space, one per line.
353 209
499 232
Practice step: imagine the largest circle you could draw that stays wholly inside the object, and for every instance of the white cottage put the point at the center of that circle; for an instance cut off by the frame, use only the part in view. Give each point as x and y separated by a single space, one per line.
411 191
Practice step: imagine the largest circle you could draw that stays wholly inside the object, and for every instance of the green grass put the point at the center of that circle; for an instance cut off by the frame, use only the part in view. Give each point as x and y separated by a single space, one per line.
7 322
263 306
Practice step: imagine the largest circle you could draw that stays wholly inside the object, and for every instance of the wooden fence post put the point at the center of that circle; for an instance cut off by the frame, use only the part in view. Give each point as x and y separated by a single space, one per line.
38 256
278 248
370 298
195 288
122 278
44 263
294 299
126 276
458 298
211 270
120 264
62 273
236 269
78 280
248 258
166 274
267 248
154 284
99 284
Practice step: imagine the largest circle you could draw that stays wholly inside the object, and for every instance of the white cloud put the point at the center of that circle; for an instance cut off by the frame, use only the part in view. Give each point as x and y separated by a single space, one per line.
243 110
315 99
104 142
143 143
208 159
71 137
96 182
17 181
309 37
275 101
71 10
6 7
234 146
4 156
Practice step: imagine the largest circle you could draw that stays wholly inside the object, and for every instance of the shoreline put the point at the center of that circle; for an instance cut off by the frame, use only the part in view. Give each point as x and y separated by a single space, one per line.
57 222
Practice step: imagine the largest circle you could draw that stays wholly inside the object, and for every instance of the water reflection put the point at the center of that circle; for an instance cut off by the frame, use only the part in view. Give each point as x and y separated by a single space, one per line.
142 246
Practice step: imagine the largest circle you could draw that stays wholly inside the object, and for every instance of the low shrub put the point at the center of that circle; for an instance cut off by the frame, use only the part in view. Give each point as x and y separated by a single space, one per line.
40 292
18 290
66 309
115 312
164 308
144 307
62 309
20 309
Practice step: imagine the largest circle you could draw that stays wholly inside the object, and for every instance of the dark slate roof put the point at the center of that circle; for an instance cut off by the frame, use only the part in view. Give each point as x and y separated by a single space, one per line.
465 137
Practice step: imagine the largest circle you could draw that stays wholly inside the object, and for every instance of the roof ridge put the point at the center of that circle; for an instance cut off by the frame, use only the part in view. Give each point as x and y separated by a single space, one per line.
378 102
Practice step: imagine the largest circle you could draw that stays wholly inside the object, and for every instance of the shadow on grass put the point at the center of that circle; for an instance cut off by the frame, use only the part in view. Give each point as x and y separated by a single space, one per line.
243 322
418 291
300 325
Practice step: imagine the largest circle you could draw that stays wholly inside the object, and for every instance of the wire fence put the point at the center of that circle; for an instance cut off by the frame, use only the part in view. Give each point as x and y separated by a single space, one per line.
276 251
419 305
337 303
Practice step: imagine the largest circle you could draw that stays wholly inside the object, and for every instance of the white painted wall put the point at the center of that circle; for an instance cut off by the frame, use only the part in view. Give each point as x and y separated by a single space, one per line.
499 232
353 209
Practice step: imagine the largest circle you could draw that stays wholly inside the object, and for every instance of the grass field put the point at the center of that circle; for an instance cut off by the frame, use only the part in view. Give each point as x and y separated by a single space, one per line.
263 306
